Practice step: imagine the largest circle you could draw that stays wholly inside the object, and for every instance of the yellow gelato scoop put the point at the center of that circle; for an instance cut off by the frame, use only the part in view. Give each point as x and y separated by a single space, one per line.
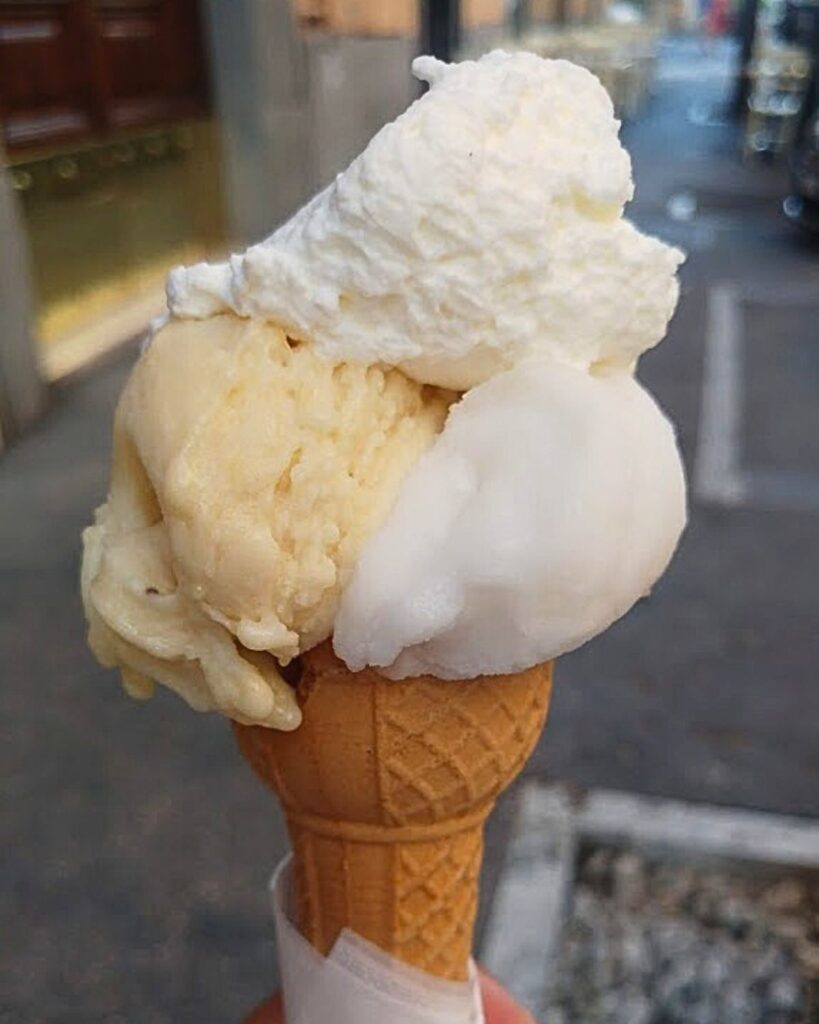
247 473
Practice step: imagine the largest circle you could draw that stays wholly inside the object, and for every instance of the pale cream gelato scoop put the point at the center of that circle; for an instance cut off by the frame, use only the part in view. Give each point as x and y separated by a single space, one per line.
247 473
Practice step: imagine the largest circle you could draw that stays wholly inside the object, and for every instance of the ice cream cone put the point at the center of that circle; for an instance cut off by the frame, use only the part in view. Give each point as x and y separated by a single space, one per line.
386 787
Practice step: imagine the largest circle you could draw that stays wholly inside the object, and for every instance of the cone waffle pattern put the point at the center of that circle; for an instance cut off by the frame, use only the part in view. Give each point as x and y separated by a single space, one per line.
386 786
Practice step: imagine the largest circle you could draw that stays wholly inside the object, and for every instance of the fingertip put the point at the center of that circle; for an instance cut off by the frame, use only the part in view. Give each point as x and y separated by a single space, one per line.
498 1006
270 1011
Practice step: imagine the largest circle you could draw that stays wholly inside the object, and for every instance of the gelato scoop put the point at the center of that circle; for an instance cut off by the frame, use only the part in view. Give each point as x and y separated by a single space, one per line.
550 503
247 473
287 467
484 224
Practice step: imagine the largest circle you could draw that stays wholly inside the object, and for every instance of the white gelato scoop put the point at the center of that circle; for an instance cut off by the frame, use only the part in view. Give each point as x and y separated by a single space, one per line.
484 224
550 503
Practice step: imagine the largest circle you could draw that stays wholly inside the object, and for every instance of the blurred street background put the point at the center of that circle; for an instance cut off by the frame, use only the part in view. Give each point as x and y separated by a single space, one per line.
135 135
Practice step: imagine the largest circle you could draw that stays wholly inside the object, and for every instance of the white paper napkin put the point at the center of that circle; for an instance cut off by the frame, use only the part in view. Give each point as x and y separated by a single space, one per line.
358 983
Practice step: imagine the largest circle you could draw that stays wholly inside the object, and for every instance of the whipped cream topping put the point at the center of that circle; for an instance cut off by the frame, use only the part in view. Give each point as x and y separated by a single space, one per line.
482 226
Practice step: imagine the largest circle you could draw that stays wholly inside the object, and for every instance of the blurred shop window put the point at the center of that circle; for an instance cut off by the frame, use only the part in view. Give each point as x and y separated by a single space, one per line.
105 113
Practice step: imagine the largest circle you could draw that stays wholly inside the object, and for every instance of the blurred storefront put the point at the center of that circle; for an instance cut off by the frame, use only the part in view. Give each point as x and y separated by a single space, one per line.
143 133
113 157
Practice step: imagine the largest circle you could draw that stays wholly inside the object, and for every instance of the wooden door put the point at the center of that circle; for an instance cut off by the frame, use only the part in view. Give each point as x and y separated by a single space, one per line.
73 70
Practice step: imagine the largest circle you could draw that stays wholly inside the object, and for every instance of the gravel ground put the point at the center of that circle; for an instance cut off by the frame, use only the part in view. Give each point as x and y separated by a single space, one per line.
656 942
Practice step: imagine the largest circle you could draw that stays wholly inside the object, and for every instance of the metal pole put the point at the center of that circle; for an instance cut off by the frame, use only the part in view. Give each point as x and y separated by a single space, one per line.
520 17
747 35
22 391
441 28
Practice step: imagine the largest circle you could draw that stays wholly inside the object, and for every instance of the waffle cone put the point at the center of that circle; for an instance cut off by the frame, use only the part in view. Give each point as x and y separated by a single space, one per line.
386 787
